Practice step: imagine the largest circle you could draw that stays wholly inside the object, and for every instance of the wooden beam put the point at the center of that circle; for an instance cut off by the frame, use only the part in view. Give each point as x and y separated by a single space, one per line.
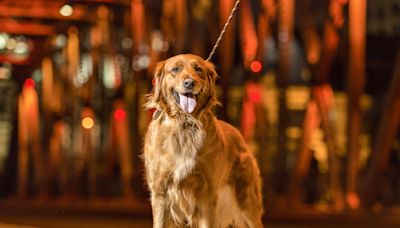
115 2
14 60
356 79
330 43
285 36
248 34
30 2
303 162
320 58
26 28
42 11
226 53
311 117
388 126
138 22
324 96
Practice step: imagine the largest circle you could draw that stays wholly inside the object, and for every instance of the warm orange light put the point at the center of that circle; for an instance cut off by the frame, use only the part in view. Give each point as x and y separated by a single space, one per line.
256 66
353 200
119 114
29 83
87 123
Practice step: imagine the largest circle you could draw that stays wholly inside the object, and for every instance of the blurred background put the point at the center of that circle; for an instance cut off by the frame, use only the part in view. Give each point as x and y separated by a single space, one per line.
313 85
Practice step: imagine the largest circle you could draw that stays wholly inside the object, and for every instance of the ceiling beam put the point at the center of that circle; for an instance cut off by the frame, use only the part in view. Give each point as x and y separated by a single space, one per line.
115 2
14 60
38 11
26 28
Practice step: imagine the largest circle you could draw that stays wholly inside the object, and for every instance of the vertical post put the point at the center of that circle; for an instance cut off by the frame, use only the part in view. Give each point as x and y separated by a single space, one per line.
138 17
324 97
248 34
320 55
285 32
356 78
388 126
181 22
29 140
310 123
138 37
124 147
226 52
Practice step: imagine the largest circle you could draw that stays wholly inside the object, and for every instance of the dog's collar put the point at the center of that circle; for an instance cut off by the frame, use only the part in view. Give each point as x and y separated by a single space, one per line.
156 114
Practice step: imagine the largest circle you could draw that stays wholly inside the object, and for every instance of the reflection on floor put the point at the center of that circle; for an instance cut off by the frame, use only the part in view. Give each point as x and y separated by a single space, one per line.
8 225
101 213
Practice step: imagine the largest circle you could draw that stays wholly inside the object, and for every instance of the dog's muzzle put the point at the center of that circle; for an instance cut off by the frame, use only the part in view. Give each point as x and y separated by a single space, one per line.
187 102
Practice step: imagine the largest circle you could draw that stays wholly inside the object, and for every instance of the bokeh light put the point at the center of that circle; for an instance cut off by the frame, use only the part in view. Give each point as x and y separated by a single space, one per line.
119 114
256 66
29 83
87 123
66 10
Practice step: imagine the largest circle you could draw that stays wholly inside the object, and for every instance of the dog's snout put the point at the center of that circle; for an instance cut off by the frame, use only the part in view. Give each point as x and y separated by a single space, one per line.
189 83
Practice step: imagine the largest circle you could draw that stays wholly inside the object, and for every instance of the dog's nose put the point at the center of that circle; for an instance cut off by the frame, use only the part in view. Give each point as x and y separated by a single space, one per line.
189 83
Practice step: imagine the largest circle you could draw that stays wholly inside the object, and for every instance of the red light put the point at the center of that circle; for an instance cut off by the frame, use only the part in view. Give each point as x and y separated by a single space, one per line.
119 114
29 83
255 96
256 66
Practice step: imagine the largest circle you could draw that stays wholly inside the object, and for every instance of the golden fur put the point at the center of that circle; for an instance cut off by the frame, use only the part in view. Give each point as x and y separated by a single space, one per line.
199 170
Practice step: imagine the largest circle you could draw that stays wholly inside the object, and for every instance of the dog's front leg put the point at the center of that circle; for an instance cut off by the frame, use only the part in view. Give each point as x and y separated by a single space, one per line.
158 205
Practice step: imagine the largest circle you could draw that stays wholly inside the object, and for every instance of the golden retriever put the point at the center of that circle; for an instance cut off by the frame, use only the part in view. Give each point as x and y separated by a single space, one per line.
199 170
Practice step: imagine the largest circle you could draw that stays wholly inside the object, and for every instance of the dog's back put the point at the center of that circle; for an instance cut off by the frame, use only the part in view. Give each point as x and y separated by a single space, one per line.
241 198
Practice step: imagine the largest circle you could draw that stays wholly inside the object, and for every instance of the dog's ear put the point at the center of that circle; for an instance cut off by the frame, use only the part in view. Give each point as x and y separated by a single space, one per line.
211 73
155 96
211 78
158 76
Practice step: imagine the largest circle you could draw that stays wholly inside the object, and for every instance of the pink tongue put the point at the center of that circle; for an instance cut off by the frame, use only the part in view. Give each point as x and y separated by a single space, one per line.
187 103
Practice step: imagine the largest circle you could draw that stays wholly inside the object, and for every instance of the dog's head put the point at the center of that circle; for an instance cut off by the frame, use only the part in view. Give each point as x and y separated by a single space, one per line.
183 84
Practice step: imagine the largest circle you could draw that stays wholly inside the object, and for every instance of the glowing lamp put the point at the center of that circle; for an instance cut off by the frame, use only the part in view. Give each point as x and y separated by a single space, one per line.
255 66
255 97
29 83
66 10
87 123
119 114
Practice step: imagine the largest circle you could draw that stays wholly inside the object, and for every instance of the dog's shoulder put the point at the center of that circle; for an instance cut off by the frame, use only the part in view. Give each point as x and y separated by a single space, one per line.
228 129
231 135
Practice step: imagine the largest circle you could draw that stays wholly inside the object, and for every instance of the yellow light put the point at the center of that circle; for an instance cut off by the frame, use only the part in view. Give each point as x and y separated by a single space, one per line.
66 10
87 123
293 132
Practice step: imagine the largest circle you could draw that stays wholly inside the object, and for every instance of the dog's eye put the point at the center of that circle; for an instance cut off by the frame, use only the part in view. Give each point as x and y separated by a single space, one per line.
175 69
198 69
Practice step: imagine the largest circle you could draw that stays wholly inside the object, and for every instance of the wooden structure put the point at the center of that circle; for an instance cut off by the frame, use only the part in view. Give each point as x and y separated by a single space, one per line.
192 26
388 127
356 80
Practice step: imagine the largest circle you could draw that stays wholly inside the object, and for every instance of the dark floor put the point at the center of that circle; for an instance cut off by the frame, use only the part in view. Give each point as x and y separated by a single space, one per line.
122 213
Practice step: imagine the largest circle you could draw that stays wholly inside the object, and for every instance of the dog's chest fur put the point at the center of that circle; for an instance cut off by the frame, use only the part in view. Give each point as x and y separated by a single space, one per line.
180 141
